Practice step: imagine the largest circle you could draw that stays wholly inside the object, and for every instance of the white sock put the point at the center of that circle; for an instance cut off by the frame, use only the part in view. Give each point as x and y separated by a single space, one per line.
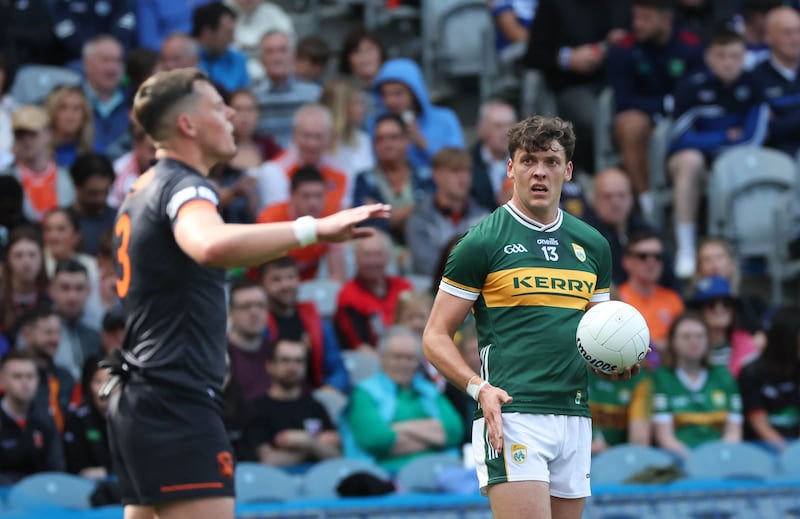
684 235
646 204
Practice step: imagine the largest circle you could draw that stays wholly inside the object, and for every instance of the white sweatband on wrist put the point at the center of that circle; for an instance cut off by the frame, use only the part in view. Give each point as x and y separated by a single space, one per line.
474 390
305 230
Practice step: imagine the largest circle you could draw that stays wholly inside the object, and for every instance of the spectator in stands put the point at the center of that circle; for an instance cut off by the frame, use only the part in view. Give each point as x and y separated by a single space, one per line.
102 64
715 257
644 263
754 30
360 58
85 438
69 290
447 212
512 21
280 94
157 19
236 414
714 109
41 331
140 64
11 213
397 414
254 18
731 346
779 78
350 149
367 302
311 59
45 184
251 150
92 174
467 342
238 197
24 279
62 242
643 70
289 426
112 332
29 441
770 385
75 23
248 347
311 137
299 321
7 108
568 44
213 26
693 401
107 270
27 31
703 17
307 198
130 166
413 309
794 222
612 214
490 153
403 92
393 180
178 50
71 123
621 411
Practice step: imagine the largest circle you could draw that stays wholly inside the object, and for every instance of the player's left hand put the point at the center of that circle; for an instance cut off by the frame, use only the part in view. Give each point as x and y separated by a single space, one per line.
341 226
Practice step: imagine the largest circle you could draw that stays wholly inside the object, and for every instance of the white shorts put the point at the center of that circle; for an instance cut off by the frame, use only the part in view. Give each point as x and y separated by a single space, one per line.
537 447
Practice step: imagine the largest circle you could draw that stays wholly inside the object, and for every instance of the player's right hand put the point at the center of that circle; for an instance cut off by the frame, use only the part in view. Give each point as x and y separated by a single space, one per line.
492 399
341 226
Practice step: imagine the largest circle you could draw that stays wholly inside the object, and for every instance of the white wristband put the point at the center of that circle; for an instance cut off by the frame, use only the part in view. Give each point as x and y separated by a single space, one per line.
474 390
305 230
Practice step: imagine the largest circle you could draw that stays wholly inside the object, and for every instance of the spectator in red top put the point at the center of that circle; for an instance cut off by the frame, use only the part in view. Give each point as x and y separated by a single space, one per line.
308 198
367 302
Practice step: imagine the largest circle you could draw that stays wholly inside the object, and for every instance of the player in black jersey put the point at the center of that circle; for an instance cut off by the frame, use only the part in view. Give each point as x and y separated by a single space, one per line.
168 441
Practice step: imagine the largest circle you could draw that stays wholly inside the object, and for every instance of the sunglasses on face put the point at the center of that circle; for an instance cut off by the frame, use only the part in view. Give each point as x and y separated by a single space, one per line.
644 256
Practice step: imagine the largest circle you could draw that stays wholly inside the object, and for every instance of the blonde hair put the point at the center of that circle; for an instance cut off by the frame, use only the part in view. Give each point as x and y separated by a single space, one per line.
55 99
410 300
736 276
337 93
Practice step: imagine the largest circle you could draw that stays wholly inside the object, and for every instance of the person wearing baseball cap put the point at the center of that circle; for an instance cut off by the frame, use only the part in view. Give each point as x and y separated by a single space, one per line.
44 184
718 306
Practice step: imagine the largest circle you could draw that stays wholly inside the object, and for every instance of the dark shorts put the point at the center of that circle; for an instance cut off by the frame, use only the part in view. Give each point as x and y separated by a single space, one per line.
167 445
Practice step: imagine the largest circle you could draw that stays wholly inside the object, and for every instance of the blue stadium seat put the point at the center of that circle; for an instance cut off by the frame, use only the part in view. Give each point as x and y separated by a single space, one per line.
33 82
322 479
623 461
48 490
720 460
422 474
789 462
258 483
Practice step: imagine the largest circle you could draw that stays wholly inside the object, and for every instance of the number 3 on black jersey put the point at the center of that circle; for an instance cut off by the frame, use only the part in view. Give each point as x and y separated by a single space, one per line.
123 230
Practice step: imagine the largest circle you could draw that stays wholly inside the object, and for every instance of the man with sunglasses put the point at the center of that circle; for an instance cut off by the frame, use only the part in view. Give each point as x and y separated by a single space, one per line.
644 263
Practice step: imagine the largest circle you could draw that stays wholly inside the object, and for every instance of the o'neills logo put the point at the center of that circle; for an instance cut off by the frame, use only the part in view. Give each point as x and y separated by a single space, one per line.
595 363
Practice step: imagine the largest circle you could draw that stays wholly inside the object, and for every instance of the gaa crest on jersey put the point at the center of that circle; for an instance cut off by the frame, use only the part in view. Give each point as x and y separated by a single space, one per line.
580 253
718 398
519 453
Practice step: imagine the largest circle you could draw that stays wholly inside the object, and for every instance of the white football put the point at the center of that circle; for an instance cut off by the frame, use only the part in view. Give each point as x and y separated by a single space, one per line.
612 335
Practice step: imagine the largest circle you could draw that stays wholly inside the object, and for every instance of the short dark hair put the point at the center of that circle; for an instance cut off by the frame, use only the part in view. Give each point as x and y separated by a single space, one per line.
306 175
640 236
209 16
89 165
725 36
278 263
70 266
663 5
395 118
113 321
751 7
159 94
71 216
242 283
351 42
12 355
36 314
314 49
536 132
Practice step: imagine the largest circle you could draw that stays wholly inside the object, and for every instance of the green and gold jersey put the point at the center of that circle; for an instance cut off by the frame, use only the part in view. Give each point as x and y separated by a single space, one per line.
531 284
700 410
614 405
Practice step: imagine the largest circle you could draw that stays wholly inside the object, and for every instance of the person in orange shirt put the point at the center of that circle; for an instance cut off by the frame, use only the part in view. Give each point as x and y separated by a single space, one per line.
46 186
644 263
311 137
308 198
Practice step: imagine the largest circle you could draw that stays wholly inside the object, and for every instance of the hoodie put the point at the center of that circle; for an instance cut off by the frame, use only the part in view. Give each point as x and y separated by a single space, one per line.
438 125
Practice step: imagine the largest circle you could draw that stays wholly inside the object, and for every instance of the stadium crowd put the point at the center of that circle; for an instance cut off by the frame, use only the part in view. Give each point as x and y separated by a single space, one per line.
319 130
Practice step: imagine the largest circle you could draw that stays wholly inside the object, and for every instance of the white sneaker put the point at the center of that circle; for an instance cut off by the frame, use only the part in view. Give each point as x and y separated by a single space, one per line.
684 266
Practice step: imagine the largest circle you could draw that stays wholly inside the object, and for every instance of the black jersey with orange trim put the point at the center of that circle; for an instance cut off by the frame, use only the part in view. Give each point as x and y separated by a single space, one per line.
174 307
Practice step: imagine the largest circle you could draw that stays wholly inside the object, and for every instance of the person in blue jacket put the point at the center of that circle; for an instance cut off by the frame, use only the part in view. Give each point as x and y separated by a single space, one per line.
402 91
714 110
